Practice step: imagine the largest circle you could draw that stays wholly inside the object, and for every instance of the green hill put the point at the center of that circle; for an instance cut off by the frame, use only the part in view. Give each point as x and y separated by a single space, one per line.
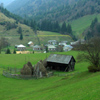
55 10
77 85
81 24
78 26
13 36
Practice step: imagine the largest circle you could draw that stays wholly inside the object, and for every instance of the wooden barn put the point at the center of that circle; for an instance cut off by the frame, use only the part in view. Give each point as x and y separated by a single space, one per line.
61 62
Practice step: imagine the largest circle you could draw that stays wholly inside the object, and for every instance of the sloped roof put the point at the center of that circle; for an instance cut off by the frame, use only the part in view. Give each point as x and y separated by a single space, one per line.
68 46
21 45
36 46
30 42
51 46
58 58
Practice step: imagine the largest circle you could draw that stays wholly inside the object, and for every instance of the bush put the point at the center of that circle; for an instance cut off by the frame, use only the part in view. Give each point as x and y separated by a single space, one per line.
8 51
93 69
14 52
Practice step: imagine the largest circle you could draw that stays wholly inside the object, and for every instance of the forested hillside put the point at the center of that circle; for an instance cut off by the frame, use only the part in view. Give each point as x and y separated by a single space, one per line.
55 9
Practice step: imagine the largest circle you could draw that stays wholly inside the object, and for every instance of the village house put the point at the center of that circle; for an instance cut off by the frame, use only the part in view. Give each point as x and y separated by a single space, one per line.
62 44
37 48
52 42
21 47
67 48
61 62
80 41
30 44
51 48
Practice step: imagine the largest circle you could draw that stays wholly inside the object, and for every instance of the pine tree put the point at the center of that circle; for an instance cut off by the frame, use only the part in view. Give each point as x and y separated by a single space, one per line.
63 28
69 29
21 37
14 52
93 23
20 30
8 51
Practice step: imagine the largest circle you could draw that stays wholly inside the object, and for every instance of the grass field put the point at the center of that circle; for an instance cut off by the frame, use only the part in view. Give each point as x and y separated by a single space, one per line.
82 86
79 25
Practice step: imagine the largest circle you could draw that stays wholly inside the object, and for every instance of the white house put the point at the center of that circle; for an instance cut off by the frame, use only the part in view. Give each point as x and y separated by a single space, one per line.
67 48
51 48
37 48
21 47
62 44
52 42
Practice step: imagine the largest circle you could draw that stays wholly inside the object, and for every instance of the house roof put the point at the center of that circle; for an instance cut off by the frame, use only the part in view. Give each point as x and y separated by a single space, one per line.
64 44
21 45
68 46
36 46
58 58
51 46
30 42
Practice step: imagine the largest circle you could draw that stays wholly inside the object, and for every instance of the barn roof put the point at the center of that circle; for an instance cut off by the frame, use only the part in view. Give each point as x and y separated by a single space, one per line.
58 58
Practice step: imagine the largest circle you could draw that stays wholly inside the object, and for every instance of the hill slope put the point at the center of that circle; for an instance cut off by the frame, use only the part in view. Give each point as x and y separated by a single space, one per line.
28 34
55 10
79 86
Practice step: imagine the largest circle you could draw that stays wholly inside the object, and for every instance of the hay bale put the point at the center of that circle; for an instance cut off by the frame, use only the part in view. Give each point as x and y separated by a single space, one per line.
44 62
39 67
27 69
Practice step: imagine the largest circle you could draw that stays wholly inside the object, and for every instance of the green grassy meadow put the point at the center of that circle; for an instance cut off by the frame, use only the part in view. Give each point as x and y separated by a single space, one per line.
81 24
79 86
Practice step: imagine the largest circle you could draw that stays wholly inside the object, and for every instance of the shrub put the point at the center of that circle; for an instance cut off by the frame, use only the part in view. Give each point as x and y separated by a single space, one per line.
14 52
93 68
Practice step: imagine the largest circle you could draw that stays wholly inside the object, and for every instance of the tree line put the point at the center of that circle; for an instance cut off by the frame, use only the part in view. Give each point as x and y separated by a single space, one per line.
93 30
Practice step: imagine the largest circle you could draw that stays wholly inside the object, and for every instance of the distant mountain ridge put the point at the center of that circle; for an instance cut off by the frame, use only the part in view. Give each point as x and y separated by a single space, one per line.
54 9
6 2
39 8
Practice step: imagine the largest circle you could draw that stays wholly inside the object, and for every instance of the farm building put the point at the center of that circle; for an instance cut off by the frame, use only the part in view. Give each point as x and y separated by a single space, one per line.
62 44
51 48
61 62
21 47
67 48
52 42
30 44
37 48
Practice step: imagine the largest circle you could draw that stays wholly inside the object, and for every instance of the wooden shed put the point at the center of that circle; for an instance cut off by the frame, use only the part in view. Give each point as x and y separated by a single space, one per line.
61 62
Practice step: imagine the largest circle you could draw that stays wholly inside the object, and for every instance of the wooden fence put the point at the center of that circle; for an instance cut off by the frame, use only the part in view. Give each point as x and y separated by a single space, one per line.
15 73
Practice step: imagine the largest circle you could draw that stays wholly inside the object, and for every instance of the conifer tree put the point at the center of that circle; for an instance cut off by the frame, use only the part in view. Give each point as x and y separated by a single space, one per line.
14 52
69 29
93 23
63 28
21 37
20 30
8 51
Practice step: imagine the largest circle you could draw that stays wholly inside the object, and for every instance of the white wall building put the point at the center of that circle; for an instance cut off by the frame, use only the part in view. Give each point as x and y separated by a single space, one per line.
21 47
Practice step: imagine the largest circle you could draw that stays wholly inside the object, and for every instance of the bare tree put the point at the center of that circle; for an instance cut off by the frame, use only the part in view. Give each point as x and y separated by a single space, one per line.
91 53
